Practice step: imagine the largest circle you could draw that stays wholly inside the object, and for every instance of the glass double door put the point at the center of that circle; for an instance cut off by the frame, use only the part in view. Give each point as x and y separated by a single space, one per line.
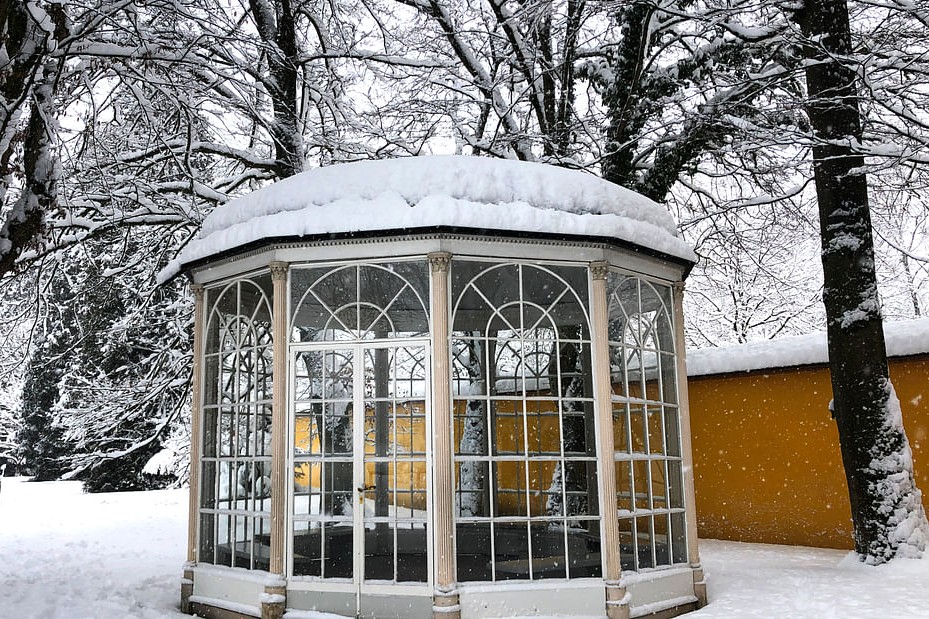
361 456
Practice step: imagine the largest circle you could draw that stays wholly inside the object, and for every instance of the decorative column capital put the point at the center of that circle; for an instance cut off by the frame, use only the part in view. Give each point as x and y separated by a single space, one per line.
278 270
599 269
440 260
197 289
678 290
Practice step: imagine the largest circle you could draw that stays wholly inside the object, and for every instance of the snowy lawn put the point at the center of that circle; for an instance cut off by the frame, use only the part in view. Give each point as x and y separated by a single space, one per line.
64 554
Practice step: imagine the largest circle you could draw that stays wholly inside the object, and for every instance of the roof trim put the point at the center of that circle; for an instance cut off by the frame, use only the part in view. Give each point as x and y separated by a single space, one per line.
456 231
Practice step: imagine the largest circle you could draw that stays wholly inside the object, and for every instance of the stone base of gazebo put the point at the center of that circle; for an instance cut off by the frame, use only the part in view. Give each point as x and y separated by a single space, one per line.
218 593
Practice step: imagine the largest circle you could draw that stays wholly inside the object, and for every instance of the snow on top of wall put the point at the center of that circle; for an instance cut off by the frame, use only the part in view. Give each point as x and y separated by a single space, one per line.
908 337
459 191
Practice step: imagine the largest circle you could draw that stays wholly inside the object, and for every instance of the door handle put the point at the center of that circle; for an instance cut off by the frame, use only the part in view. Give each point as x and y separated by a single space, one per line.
361 493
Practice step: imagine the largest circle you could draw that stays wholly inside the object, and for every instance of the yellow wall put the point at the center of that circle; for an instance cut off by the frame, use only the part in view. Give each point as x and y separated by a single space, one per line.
543 434
767 466
410 476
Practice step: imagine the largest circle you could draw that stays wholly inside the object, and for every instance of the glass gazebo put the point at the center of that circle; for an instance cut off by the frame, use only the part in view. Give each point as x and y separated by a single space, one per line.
440 386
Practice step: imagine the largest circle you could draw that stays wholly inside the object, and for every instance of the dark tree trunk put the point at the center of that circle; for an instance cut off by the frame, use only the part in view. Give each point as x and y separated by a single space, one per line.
277 29
874 446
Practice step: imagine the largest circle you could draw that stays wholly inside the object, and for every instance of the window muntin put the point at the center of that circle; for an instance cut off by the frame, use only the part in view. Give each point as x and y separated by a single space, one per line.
359 301
235 486
646 424
525 456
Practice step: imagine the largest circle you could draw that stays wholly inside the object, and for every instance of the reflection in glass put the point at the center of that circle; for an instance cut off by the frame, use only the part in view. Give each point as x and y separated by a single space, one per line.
525 448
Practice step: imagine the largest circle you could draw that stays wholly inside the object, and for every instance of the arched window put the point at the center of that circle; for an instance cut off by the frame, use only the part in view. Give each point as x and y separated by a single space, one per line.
525 450
646 424
359 400
359 301
235 489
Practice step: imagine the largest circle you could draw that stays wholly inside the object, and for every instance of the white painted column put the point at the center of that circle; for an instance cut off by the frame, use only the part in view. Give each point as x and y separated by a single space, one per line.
274 600
196 415
687 446
617 603
445 596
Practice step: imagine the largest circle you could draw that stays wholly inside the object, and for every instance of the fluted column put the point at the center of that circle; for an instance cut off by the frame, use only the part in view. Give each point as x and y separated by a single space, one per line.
687 447
274 600
196 414
617 604
445 597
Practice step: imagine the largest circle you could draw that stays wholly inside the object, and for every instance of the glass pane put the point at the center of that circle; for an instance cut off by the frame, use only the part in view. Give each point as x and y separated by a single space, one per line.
581 488
470 427
544 435
510 489
655 430
210 379
208 484
261 559
224 533
226 432
337 427
644 541
620 428
641 484
263 431
659 487
548 552
672 432
307 549
619 370
679 537
338 540
241 549
584 549
675 485
379 551
511 551
207 538
411 554
226 485
545 488
337 375
627 546
668 379
471 488
662 547
578 429
307 488
637 428
306 432
209 422
473 551
338 489
509 433
623 297
624 502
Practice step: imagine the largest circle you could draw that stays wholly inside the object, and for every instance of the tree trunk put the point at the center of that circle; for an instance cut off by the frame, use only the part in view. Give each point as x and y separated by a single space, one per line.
886 505
275 23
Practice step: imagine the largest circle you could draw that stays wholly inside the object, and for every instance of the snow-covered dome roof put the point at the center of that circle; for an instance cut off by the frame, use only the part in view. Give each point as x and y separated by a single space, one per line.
437 191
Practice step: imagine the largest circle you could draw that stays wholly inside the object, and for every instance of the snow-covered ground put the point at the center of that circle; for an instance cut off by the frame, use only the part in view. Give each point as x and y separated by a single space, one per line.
64 554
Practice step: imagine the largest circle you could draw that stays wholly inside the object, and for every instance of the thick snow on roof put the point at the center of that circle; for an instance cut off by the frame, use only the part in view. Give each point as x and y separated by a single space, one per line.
908 337
416 192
